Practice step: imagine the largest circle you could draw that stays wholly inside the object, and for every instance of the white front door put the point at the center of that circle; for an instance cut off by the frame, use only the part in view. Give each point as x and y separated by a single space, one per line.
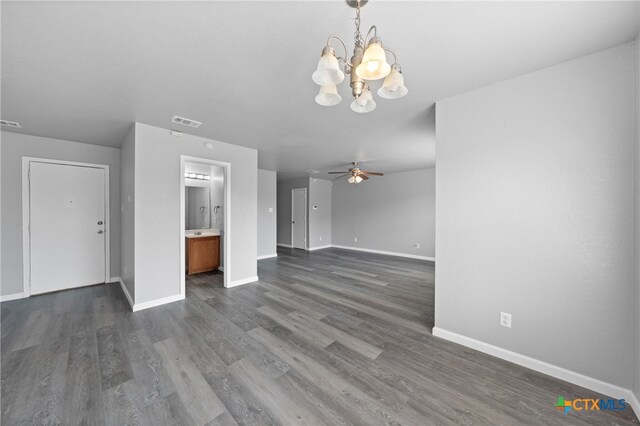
299 218
67 219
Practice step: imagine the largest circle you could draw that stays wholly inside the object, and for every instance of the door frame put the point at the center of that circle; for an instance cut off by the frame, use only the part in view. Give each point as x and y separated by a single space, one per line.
226 167
305 217
26 214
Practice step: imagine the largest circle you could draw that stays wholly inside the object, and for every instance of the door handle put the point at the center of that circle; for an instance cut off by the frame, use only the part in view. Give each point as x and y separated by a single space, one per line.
100 231
293 221
100 222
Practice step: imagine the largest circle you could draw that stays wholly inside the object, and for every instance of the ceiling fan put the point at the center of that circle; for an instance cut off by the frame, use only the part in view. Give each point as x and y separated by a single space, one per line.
356 175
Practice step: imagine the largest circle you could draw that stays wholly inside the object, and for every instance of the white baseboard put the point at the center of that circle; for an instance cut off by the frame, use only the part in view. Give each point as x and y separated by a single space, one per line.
541 366
242 281
157 302
319 247
221 268
13 296
388 253
285 245
267 256
126 293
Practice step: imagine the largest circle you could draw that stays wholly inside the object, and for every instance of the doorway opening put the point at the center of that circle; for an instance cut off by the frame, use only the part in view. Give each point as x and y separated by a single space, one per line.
299 218
66 225
204 218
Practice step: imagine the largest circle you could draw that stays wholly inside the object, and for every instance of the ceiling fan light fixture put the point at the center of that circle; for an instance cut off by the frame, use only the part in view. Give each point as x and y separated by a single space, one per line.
328 95
374 64
393 86
328 71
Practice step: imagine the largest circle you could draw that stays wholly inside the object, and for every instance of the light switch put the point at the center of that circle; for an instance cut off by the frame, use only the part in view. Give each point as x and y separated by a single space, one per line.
270 209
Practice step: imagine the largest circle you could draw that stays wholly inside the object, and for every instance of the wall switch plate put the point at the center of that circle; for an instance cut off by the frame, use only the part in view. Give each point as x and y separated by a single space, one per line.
505 319
320 238
270 209
355 239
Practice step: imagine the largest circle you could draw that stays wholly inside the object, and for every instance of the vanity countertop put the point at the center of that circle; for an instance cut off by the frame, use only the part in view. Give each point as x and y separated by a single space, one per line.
199 233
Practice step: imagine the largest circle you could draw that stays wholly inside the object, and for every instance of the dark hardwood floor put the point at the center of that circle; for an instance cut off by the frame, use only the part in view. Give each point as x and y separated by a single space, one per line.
328 337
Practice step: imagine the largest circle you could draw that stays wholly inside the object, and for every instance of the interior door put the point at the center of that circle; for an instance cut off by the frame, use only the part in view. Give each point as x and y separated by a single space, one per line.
299 218
67 222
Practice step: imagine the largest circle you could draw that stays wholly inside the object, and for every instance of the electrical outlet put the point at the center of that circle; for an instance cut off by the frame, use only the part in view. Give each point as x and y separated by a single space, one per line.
355 239
505 319
320 238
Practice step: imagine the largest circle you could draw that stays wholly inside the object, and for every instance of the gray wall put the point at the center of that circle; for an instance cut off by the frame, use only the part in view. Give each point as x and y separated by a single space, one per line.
267 225
319 219
13 147
157 214
636 362
390 213
534 214
127 189
284 207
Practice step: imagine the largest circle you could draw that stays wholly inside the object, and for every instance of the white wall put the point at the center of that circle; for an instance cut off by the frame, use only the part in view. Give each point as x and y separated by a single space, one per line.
534 215
267 213
319 213
127 230
284 207
13 147
157 209
389 213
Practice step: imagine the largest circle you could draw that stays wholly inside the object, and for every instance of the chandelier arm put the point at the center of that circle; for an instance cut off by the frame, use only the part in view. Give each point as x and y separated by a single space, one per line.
346 58
395 57
375 34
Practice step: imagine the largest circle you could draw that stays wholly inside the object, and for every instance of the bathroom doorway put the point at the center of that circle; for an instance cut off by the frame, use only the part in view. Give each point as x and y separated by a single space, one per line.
204 213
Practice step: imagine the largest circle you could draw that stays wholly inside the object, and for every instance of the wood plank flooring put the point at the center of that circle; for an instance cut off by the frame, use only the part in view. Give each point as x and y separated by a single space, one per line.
327 337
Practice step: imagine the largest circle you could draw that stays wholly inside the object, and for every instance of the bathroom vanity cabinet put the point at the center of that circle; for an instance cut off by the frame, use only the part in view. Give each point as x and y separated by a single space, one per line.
202 253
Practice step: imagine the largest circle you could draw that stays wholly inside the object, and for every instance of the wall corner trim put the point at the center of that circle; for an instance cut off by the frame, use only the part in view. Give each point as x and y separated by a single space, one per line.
14 296
267 256
542 367
319 247
242 281
635 404
125 291
157 302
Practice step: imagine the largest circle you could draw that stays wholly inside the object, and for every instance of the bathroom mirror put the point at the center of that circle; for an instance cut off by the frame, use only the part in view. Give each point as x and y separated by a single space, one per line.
198 208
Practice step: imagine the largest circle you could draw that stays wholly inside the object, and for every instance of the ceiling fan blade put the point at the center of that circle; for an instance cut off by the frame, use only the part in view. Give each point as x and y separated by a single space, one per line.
373 173
336 173
340 177
363 176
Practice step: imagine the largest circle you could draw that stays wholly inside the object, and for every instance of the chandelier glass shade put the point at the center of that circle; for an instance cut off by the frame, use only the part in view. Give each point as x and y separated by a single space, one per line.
328 95
368 63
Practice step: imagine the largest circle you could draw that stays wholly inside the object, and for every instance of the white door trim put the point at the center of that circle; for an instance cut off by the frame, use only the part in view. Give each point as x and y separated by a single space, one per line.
305 216
26 240
227 208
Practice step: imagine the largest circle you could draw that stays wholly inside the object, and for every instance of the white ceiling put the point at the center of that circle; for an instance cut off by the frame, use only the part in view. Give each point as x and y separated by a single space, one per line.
84 71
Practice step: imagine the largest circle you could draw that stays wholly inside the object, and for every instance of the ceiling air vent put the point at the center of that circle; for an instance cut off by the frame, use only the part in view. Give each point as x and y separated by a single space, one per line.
185 121
11 124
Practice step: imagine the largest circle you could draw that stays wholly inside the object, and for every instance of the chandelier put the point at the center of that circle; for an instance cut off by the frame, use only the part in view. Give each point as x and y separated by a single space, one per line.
368 63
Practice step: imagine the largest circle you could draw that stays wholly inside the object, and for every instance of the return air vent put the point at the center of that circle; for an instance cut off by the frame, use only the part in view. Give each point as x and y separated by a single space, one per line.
185 121
11 124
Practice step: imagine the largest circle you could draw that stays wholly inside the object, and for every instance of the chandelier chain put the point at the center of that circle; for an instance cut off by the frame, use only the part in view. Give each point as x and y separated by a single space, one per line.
357 36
